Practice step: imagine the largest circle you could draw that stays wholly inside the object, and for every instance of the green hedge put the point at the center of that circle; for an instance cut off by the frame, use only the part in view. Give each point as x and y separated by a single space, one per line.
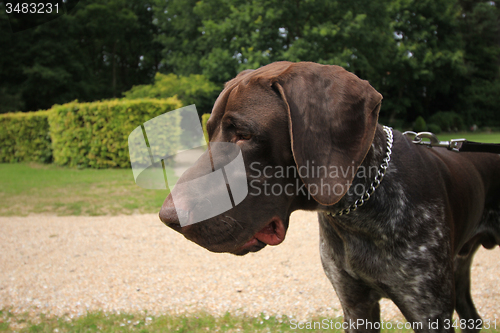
25 137
204 119
96 134
448 121
192 89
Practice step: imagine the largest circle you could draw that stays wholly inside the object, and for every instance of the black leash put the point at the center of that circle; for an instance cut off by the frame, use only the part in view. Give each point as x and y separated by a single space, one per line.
458 145
480 147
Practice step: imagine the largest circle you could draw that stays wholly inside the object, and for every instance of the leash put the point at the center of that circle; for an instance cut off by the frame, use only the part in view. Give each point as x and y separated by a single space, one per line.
458 145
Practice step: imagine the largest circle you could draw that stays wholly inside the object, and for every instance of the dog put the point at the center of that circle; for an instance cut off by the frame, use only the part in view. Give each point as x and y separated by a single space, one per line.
397 220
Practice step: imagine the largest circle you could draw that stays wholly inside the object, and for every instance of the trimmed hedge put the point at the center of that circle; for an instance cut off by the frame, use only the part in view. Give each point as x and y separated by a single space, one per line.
204 119
192 89
448 121
96 134
25 137
420 125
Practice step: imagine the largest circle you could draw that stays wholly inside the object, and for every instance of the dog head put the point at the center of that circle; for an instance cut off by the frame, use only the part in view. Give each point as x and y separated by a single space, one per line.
289 120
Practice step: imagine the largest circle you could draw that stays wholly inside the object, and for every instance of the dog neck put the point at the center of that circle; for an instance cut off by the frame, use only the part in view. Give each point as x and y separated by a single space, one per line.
362 181
365 174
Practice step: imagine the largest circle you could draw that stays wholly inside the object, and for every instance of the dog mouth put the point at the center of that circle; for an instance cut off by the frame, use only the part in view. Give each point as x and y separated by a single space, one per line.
272 234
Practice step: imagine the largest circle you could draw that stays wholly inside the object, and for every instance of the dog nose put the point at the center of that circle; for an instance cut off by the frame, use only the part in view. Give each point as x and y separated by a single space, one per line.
168 213
172 215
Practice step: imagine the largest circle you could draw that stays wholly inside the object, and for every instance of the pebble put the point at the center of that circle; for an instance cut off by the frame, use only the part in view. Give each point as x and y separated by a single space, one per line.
68 265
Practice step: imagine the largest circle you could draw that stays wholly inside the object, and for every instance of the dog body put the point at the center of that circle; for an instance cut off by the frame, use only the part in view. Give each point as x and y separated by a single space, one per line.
413 241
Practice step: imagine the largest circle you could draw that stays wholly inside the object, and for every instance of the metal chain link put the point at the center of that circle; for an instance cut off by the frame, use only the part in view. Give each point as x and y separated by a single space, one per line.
378 178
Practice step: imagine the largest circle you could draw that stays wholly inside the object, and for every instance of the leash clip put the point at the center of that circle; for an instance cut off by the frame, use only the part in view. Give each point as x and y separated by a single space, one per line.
417 138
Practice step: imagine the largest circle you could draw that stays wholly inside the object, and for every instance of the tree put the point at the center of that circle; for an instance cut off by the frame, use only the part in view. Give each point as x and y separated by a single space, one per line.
409 50
424 56
427 60
97 51
179 33
480 30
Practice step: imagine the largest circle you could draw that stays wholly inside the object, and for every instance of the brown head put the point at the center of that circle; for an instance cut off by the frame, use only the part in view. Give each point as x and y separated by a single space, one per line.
284 117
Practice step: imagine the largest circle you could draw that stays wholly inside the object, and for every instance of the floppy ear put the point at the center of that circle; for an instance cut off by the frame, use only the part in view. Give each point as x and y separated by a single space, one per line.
332 121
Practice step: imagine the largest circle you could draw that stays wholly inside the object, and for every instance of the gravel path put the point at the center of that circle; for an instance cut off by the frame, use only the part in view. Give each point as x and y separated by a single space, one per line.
68 265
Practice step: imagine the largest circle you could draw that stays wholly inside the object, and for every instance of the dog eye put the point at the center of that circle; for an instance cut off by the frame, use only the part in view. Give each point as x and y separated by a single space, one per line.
244 136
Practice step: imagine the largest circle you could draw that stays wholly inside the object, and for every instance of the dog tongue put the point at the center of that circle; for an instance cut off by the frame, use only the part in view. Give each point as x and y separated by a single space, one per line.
273 233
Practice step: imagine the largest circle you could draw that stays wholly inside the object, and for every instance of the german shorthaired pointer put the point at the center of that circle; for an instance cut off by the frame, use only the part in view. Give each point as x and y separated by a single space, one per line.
414 239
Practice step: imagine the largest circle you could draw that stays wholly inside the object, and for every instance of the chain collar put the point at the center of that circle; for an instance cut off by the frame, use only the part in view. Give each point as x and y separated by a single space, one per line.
378 178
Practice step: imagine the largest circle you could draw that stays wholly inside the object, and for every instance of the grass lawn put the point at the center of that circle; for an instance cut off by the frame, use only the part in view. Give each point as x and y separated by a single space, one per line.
476 137
144 323
38 188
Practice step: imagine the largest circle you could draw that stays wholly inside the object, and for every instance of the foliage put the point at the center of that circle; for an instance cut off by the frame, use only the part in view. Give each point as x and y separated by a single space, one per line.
96 134
420 55
96 51
178 33
204 120
479 30
199 322
192 89
25 137
420 125
433 128
481 102
479 26
448 121
11 101
424 56
428 59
